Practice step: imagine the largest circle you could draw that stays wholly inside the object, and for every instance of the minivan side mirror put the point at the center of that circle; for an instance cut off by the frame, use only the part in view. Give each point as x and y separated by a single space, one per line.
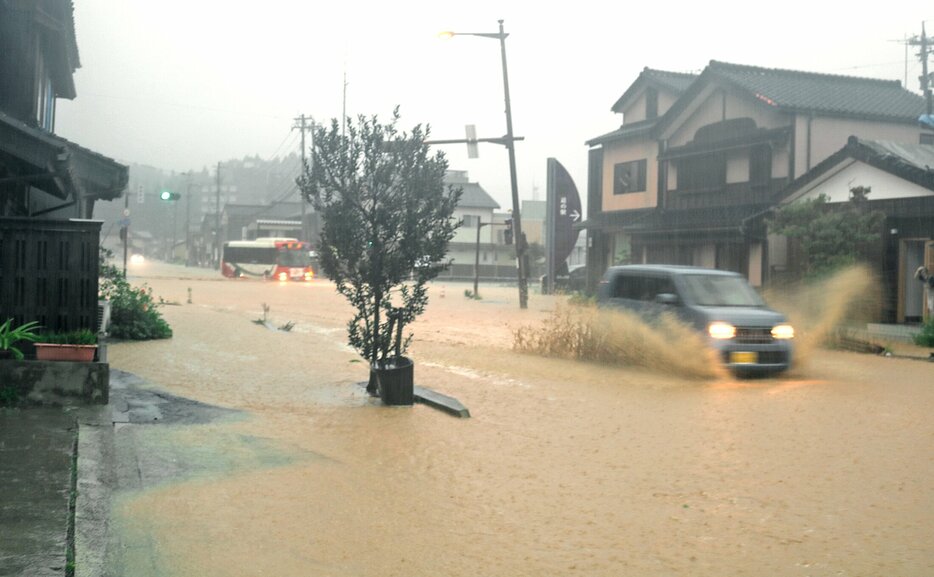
666 299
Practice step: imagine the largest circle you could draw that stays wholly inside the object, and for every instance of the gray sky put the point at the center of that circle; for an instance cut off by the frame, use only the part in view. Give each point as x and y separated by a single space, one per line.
183 84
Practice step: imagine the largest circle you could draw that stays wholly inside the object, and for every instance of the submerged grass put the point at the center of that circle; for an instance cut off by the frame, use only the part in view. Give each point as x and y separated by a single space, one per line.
587 333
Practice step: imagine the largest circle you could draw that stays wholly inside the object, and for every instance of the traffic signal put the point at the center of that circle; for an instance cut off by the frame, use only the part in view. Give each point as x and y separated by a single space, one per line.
507 234
166 195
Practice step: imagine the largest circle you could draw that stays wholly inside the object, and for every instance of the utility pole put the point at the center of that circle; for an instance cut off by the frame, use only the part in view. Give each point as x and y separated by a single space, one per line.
125 229
188 222
303 127
476 266
925 43
217 220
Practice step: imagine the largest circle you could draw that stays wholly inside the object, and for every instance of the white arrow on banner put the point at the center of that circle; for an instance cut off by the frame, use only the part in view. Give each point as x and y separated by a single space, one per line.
575 216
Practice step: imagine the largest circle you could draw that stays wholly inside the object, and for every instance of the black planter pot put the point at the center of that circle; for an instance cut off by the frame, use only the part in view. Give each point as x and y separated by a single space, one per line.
396 381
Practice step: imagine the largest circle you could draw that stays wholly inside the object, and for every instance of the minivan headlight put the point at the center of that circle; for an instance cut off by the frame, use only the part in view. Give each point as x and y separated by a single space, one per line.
721 330
783 332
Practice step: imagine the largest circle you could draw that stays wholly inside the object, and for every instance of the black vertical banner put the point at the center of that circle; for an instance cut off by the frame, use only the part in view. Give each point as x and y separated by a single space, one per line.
563 212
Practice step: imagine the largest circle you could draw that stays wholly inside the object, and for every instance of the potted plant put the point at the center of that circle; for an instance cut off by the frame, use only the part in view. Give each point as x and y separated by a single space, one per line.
9 336
76 346
386 213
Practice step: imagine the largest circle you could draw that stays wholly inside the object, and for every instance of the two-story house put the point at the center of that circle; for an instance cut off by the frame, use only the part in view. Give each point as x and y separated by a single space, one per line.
43 175
697 156
475 209
48 185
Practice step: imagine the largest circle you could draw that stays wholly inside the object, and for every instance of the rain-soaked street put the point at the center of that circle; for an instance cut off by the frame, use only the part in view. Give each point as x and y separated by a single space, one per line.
564 468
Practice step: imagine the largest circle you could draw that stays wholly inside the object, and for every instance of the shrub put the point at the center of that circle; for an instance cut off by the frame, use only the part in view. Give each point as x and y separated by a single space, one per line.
926 337
133 311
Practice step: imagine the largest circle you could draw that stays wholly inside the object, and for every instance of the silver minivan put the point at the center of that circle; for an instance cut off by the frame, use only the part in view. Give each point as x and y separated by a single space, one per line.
749 336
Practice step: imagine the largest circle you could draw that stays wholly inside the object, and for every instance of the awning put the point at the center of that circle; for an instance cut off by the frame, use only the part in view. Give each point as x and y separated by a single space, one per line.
55 165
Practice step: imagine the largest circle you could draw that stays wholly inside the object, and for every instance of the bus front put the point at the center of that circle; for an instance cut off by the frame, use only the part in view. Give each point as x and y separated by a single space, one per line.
293 262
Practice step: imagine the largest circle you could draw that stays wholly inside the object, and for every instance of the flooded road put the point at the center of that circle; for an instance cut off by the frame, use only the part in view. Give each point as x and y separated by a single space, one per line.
564 468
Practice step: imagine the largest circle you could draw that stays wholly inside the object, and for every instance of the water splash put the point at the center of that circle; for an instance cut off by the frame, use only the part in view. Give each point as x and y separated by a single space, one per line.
588 333
819 309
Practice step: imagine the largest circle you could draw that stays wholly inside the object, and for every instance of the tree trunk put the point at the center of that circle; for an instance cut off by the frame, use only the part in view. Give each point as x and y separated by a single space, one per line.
372 386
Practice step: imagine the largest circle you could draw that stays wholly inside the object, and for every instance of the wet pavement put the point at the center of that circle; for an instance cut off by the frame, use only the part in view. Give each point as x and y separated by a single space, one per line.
36 450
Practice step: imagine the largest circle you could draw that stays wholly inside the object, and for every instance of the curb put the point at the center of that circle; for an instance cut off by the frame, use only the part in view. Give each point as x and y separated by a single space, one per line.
95 482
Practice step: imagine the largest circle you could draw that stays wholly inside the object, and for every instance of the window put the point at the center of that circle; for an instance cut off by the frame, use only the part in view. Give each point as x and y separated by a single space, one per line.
470 221
760 165
702 172
927 138
629 177
642 288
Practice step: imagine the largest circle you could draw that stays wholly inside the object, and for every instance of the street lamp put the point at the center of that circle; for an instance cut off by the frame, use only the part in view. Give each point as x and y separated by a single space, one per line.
509 142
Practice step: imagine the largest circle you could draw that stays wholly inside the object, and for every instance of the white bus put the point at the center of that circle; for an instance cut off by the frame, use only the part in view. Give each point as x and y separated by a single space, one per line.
271 258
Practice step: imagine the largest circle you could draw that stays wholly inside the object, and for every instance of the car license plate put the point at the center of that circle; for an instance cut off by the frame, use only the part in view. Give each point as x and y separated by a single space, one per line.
296 272
744 357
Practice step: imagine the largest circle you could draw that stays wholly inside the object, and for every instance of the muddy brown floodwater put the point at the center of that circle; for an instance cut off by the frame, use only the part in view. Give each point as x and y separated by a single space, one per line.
564 468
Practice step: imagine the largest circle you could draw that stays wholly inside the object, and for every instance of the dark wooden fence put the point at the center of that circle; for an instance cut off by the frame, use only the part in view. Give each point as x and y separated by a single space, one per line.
49 273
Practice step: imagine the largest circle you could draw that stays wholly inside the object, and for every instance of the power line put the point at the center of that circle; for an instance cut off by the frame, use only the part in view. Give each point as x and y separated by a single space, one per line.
288 137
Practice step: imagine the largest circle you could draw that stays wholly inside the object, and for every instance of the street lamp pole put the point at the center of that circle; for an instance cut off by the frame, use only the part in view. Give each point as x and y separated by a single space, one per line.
509 142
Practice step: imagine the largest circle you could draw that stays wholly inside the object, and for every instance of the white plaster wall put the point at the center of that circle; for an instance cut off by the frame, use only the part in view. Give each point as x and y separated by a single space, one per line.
884 185
469 234
616 153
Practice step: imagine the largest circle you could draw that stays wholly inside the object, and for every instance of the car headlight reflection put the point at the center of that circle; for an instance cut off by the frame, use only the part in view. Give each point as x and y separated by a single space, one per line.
721 330
783 332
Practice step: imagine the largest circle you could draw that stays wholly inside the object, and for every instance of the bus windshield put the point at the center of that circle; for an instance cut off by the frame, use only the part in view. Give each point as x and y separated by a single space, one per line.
293 257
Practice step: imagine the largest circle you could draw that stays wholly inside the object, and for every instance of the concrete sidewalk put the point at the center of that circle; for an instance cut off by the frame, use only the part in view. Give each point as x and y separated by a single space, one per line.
37 448
56 470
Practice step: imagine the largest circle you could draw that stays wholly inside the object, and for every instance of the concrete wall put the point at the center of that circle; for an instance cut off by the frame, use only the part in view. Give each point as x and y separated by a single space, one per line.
57 382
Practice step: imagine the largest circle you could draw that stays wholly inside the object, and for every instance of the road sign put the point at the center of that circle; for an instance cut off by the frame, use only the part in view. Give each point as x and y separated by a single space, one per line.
563 212
472 150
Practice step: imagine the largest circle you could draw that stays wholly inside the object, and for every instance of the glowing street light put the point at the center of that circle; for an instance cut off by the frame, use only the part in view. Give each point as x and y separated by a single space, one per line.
509 142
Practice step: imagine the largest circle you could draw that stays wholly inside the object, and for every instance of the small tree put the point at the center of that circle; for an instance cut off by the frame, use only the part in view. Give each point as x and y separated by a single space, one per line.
385 207
830 237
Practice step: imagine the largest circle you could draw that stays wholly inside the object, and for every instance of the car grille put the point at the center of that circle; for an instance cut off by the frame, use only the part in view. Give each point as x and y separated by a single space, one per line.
753 335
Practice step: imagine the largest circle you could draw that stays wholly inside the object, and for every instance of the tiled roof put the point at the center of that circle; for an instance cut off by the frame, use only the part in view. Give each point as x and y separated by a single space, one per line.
624 131
916 157
911 162
676 82
475 197
826 93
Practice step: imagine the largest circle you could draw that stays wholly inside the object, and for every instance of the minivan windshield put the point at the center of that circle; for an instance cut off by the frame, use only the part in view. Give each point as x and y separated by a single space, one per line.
720 291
